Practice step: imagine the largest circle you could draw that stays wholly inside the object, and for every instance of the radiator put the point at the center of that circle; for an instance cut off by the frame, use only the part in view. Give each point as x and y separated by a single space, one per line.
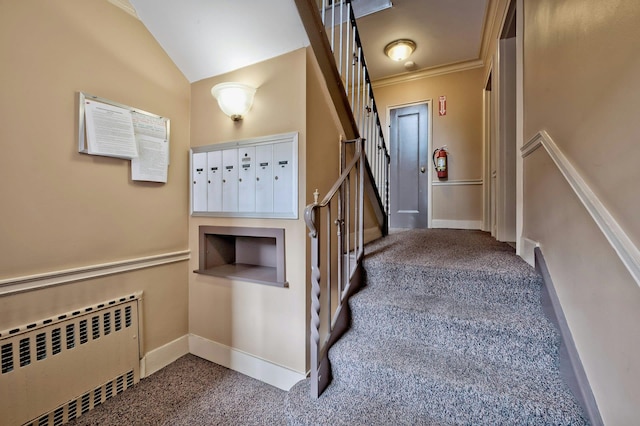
56 369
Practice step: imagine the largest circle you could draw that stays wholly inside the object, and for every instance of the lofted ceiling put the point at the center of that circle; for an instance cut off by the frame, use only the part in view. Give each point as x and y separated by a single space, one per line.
206 38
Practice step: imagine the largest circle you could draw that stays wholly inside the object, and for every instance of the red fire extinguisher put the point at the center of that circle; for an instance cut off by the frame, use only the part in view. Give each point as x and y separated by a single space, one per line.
440 162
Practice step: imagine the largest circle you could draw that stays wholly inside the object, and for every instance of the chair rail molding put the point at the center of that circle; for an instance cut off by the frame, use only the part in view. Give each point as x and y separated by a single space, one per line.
625 248
33 282
458 182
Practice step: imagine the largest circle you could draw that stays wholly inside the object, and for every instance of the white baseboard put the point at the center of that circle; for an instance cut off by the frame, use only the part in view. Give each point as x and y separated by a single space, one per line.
242 362
527 250
456 224
164 355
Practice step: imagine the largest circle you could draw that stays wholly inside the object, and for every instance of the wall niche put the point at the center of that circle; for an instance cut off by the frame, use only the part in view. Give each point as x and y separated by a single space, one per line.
243 253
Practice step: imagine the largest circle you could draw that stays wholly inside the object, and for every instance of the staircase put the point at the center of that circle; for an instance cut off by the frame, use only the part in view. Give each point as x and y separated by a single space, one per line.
449 329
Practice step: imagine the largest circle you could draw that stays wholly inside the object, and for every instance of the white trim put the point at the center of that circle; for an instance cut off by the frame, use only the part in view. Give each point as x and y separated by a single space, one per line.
487 125
457 224
427 73
429 174
533 144
519 124
159 358
458 182
32 282
528 250
619 240
276 375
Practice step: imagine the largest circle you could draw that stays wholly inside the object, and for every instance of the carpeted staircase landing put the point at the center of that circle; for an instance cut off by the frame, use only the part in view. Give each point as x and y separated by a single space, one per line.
449 329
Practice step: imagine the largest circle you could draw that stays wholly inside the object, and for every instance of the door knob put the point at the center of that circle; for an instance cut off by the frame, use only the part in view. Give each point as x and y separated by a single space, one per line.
422 169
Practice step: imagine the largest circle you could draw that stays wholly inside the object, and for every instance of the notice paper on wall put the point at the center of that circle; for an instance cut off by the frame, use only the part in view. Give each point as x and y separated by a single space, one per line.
151 163
112 129
109 130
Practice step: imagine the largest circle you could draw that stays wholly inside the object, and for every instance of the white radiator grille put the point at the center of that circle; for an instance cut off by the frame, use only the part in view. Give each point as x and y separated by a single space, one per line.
89 400
57 369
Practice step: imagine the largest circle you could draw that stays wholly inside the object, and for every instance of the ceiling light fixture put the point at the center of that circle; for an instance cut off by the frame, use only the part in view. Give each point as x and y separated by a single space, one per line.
234 99
399 50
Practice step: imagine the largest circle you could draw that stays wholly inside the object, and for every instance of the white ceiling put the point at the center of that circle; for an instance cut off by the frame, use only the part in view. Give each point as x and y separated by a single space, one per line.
206 38
446 32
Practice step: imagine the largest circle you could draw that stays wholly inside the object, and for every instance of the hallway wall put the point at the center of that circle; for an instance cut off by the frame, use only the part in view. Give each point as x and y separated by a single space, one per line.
581 85
62 209
460 129
264 322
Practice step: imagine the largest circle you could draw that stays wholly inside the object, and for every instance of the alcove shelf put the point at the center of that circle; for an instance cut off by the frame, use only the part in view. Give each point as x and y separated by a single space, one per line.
243 253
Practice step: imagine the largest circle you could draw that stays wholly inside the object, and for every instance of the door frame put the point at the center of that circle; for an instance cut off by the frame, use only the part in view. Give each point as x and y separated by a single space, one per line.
428 103
495 111
487 123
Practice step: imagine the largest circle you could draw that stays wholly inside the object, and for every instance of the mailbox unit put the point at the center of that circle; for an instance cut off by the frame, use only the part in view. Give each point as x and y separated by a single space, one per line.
250 178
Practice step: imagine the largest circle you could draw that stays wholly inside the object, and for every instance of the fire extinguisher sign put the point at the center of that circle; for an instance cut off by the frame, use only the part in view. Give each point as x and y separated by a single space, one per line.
442 105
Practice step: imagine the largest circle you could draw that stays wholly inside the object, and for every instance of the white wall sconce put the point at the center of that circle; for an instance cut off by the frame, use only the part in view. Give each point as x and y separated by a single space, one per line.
234 99
399 50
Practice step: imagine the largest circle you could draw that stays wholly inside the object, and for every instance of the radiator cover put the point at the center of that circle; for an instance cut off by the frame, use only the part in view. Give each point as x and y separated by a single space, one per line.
58 368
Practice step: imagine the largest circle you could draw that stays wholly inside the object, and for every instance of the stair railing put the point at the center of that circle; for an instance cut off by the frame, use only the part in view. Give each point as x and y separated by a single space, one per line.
342 208
336 254
340 25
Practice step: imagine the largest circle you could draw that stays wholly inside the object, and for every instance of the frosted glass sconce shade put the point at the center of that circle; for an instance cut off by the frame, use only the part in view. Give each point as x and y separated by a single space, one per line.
400 50
234 99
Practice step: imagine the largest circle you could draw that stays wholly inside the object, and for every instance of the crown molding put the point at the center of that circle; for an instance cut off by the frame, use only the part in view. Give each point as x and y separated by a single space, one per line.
428 72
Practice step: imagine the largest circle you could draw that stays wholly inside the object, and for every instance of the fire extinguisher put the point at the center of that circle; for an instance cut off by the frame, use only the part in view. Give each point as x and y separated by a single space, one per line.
440 162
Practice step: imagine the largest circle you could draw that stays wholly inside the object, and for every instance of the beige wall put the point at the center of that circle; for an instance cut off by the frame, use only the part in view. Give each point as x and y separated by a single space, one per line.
460 130
581 85
324 132
61 209
263 321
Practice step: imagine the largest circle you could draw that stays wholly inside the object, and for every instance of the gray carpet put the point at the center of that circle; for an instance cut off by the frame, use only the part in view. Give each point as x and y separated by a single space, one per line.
192 391
448 330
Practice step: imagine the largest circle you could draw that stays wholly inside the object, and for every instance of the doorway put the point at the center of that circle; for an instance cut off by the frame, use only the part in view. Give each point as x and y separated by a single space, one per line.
410 166
503 108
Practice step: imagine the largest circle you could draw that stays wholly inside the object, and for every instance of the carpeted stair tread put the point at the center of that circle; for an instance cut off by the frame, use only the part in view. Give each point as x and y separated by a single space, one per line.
469 250
434 378
420 280
344 406
386 274
496 332
481 309
448 330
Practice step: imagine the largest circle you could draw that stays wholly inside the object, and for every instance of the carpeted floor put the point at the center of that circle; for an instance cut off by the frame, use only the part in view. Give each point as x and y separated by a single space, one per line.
192 391
449 330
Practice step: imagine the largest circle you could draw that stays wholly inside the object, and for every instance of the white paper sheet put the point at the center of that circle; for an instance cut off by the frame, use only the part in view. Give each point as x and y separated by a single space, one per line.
109 130
151 163
147 125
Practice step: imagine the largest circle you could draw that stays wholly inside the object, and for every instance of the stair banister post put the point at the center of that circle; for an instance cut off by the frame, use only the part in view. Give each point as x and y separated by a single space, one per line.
361 169
313 226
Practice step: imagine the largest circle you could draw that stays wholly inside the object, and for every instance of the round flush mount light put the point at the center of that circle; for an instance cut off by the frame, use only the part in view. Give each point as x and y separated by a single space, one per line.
399 50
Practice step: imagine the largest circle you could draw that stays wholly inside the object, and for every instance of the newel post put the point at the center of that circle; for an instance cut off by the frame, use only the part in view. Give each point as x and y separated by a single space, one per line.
310 220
